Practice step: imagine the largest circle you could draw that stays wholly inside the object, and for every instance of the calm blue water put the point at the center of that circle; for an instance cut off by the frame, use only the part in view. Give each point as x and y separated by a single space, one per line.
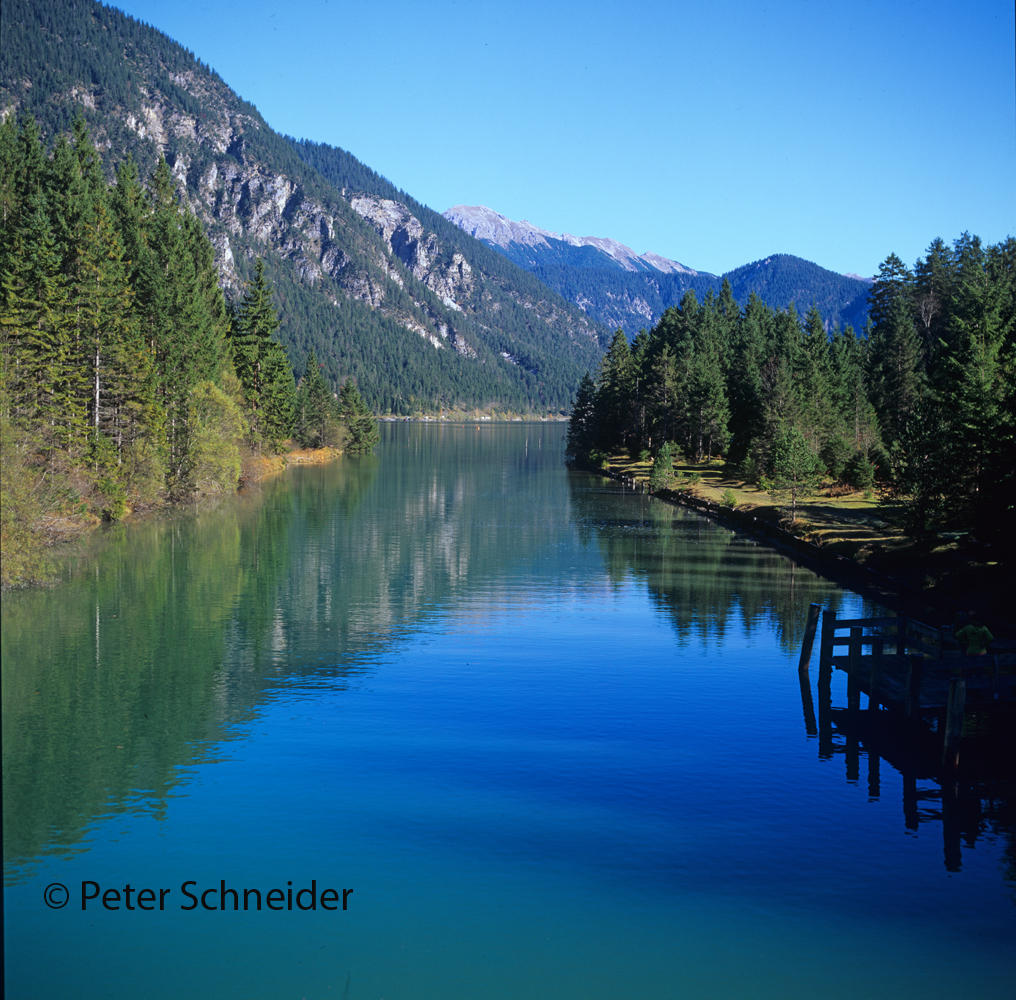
549 733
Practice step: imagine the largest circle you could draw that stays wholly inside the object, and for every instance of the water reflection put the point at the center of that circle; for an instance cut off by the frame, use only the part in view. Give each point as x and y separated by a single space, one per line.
165 636
968 807
164 644
705 577
702 575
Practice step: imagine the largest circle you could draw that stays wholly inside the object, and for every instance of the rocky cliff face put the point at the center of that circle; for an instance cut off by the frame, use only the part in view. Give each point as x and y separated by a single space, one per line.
328 245
249 207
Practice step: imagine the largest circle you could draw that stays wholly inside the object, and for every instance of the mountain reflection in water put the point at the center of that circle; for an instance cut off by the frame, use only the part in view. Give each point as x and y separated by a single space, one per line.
551 730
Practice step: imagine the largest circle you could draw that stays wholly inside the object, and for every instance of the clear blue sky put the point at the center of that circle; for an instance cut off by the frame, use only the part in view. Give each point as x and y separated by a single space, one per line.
711 133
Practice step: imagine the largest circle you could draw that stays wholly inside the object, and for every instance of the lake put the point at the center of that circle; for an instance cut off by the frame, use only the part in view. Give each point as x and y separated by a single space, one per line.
548 731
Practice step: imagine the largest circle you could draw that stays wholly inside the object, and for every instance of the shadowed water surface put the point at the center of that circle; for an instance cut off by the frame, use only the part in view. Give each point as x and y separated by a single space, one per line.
549 732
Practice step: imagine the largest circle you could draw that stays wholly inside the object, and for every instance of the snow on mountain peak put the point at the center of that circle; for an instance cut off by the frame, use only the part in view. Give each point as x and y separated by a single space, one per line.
486 224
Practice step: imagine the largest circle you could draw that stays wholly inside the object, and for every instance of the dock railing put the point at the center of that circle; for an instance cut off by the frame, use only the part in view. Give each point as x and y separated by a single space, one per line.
905 655
900 633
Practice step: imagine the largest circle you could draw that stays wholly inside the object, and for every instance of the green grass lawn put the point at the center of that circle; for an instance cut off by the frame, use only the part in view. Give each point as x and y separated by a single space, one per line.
848 523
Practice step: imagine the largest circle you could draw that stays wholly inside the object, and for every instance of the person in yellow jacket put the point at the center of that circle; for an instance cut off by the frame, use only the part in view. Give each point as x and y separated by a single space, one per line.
976 636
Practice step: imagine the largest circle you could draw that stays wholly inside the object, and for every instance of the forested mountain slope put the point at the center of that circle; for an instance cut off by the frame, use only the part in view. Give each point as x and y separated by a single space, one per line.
620 288
375 284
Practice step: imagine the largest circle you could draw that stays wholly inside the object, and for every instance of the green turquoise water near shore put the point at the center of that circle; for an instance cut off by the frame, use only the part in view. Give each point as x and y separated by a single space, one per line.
549 733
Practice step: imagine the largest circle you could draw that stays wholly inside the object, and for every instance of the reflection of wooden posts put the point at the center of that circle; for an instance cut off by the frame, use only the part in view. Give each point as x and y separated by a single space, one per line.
874 780
901 636
911 819
825 649
825 715
853 693
912 706
806 703
854 670
954 708
809 637
951 826
875 678
825 684
853 757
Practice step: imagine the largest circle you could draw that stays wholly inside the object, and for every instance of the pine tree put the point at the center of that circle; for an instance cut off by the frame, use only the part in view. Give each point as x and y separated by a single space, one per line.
794 468
316 419
582 425
42 374
663 468
749 352
895 376
360 423
262 366
615 393
121 401
181 309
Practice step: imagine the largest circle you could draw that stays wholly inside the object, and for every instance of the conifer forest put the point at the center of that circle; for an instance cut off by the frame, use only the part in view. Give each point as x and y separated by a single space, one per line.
920 405
126 376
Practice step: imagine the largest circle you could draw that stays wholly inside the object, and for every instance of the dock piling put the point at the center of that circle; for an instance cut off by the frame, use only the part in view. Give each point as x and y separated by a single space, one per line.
912 706
876 673
954 710
809 638
825 649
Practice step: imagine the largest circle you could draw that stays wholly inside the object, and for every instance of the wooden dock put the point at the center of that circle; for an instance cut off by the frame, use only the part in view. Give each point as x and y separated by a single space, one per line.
910 669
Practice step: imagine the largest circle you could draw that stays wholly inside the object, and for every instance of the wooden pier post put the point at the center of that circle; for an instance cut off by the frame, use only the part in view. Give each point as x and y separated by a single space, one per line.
807 704
954 709
912 706
856 633
809 637
825 649
875 679
901 635
854 670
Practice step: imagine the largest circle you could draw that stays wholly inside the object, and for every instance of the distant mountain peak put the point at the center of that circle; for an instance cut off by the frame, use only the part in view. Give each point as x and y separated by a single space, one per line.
493 228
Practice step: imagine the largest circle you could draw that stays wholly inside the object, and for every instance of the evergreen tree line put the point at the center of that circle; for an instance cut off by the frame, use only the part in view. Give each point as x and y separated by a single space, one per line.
121 358
922 404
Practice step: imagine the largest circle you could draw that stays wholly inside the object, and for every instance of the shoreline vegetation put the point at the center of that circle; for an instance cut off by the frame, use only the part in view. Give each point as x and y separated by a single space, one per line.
128 382
33 531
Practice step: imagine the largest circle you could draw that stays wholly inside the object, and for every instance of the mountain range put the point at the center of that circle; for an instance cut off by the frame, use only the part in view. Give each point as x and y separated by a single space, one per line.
422 313
531 247
620 288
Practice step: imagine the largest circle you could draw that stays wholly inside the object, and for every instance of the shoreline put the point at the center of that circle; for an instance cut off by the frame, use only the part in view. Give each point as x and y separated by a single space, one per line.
61 531
899 591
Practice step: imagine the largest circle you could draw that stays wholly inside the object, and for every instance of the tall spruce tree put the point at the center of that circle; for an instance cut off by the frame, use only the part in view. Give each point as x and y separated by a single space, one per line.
262 366
615 394
316 422
360 423
582 428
